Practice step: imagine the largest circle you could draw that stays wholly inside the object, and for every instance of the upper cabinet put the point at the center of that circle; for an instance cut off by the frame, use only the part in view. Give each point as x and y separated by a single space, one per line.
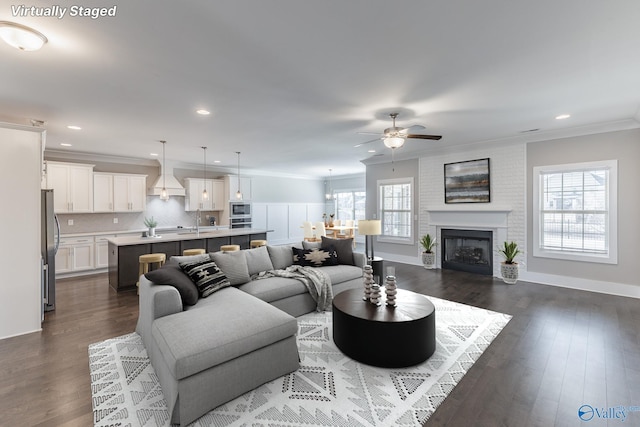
114 192
231 184
194 188
72 185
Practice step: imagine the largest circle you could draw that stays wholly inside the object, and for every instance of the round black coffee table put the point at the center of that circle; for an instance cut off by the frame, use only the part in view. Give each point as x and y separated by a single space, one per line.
381 335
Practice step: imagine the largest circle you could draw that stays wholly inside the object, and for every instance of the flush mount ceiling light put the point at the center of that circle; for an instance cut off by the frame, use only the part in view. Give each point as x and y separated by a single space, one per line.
238 193
21 37
203 112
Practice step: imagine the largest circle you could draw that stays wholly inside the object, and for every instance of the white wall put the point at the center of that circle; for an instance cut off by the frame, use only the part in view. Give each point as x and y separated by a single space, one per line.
20 281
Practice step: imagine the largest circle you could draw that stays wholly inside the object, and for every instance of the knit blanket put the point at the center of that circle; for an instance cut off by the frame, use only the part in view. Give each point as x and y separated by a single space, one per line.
317 282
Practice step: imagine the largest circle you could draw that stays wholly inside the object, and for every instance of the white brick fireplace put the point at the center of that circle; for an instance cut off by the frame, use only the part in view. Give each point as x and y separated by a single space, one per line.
471 217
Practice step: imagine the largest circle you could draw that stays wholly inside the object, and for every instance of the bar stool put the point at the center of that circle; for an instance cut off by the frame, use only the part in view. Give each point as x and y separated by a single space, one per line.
257 243
148 259
197 251
229 248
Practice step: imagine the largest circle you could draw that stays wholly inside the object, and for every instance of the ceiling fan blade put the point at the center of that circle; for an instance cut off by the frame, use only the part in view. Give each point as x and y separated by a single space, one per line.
413 127
417 136
367 142
368 133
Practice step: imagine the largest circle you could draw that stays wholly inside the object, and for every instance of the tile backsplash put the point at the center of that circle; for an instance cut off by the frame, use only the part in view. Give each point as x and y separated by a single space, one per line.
169 214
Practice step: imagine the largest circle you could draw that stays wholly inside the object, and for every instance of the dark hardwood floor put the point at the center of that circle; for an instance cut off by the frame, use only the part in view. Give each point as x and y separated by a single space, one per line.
562 349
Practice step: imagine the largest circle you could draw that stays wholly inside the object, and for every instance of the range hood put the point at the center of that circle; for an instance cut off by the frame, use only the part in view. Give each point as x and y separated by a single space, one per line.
167 179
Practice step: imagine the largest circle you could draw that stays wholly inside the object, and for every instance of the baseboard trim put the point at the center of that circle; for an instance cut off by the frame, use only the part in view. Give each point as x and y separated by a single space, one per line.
609 288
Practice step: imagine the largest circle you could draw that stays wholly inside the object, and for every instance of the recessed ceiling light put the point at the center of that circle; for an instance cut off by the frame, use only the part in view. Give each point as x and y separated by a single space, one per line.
563 116
371 151
65 144
203 112
154 154
74 127
216 161
21 37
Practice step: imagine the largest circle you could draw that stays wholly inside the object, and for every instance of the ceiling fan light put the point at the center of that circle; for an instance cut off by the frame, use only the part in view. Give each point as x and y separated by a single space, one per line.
394 142
21 37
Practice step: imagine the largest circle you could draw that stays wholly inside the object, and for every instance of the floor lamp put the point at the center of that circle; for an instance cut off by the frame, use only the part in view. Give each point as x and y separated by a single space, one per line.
368 228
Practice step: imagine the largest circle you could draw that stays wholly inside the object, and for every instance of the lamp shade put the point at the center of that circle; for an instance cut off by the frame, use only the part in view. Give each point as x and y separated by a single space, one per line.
369 227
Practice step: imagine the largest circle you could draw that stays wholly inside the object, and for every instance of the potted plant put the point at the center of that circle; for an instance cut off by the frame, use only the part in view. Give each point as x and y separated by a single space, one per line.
151 225
509 268
428 255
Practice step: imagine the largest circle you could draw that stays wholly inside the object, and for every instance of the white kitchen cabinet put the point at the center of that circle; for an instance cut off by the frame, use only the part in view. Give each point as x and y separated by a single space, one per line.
72 184
231 184
102 192
129 193
101 252
75 254
194 188
119 192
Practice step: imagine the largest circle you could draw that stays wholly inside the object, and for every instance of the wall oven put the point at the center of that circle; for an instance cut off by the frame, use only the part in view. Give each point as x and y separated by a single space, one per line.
244 222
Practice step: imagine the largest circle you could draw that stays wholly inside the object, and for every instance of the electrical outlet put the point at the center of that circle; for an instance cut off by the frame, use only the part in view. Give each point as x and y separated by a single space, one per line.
115 220
70 222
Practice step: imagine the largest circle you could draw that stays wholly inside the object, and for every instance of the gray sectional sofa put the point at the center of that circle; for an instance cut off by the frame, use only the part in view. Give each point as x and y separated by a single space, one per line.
207 351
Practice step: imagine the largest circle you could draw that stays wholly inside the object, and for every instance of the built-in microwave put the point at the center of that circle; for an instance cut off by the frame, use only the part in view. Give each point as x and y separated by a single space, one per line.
240 209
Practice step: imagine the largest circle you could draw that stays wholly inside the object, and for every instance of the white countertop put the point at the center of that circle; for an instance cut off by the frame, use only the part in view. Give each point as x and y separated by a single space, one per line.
139 232
186 235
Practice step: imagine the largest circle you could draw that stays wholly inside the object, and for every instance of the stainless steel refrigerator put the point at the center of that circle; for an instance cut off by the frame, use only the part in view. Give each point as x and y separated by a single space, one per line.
50 241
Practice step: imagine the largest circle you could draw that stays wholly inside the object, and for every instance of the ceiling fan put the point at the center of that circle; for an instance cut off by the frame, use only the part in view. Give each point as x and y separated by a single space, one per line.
394 136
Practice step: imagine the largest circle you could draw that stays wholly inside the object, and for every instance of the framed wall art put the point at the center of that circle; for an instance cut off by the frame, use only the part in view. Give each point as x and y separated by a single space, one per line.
467 182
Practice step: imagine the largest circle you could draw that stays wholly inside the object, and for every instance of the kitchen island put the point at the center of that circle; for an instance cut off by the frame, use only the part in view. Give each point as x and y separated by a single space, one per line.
124 251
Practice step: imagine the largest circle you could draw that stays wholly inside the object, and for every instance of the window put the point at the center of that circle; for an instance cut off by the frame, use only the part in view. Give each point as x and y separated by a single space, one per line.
350 204
575 209
396 210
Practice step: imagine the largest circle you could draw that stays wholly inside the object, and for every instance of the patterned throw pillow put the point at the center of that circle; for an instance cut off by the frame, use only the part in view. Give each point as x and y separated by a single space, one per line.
206 275
315 257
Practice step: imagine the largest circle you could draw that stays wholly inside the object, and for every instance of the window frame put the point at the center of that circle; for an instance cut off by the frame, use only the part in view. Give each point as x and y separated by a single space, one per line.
394 239
611 232
353 211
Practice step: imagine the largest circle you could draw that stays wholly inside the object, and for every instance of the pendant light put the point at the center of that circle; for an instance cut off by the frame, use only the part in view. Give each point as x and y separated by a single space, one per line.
329 195
238 193
205 195
164 195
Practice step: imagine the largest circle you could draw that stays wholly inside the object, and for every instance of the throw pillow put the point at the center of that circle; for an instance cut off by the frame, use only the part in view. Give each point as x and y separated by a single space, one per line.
233 265
344 248
314 257
311 245
281 256
206 275
258 260
172 274
188 258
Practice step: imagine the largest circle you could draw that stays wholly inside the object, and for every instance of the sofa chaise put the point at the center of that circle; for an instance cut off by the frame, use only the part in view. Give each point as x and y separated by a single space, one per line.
209 350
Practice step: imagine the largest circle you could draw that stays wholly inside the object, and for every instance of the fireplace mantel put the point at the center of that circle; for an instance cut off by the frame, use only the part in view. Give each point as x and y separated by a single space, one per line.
470 217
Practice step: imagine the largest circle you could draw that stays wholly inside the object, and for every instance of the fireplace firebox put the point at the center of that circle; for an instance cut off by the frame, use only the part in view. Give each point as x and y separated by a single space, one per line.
467 250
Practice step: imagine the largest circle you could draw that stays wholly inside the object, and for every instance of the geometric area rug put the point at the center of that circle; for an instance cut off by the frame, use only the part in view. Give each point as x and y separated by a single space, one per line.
329 389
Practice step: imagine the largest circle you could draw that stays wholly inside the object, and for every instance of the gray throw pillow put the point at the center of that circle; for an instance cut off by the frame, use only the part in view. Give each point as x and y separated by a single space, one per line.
233 265
206 275
281 256
344 248
172 274
311 245
189 258
258 260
